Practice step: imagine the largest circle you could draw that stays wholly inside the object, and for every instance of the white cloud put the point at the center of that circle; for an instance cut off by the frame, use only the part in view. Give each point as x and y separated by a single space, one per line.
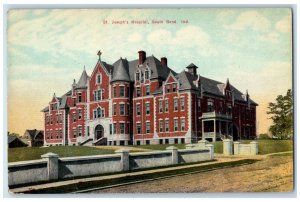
251 19
271 37
186 37
285 24
135 37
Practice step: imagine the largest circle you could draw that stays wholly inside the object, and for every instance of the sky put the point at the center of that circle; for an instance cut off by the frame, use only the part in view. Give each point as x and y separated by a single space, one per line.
47 49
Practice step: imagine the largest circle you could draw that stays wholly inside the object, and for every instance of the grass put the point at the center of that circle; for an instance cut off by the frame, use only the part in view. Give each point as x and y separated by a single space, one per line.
32 153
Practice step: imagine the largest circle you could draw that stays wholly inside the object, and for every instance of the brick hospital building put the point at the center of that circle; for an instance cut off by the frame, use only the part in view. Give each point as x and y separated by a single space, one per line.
145 102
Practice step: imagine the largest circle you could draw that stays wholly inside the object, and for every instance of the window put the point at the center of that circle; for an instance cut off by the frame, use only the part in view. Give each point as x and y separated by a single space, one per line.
199 104
60 133
122 109
210 106
147 142
167 125
47 119
115 128
147 90
168 88
128 109
175 104
110 129
138 109
175 124
160 106
147 74
88 130
79 130
74 132
166 141
174 87
138 128
115 109
115 91
122 91
160 126
102 113
50 134
60 118
50 119
161 141
98 78
56 134
56 117
137 76
98 112
147 127
74 117
147 108
79 114
229 109
166 105
79 97
182 124
138 92
122 128
97 95
182 103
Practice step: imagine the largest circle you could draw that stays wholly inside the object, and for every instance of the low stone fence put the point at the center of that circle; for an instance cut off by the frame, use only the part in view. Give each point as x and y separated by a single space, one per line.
51 167
236 148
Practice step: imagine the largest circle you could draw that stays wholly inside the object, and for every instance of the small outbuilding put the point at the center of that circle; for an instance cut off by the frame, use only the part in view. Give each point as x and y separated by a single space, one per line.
14 141
35 138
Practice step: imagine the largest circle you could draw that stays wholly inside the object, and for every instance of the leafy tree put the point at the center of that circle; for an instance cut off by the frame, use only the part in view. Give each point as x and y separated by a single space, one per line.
281 113
13 134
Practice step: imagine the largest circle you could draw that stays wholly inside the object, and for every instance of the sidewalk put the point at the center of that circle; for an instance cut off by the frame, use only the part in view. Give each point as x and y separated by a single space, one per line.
73 182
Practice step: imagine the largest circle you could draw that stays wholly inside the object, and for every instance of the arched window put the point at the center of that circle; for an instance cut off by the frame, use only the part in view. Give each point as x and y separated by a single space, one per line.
98 78
98 112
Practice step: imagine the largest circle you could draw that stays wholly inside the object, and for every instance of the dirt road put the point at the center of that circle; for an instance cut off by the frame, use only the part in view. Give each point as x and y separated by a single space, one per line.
273 174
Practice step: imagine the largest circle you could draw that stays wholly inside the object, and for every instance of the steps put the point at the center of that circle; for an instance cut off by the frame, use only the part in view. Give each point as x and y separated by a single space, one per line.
101 141
87 142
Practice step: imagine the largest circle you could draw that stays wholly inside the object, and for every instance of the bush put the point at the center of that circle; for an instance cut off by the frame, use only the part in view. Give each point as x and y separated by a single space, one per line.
264 136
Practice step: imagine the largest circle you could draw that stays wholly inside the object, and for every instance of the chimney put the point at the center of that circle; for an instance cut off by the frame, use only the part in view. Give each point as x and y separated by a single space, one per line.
142 57
164 61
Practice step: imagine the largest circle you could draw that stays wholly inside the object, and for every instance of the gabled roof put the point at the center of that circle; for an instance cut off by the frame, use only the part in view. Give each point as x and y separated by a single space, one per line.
120 70
11 139
33 133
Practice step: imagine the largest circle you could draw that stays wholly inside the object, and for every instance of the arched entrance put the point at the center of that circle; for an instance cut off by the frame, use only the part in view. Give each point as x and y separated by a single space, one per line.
99 132
235 132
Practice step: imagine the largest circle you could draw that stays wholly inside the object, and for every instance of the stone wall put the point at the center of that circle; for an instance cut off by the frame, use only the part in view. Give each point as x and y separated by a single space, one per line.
51 167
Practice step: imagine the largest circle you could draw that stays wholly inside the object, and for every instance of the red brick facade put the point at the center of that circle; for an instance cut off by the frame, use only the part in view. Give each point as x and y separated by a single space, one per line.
145 102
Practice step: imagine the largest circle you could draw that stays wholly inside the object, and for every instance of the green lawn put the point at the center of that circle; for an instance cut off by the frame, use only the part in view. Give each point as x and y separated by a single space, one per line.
31 153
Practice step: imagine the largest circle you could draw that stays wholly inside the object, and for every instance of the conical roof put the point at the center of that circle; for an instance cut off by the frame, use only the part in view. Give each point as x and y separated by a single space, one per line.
82 83
120 70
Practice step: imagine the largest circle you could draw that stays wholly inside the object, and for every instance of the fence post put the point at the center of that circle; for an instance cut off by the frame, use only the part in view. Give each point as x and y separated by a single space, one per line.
202 143
52 165
211 150
227 147
124 159
174 151
254 148
236 148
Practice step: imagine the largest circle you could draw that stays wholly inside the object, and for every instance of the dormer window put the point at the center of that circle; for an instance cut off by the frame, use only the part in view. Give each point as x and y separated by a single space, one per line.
137 76
98 80
147 74
147 90
174 87
168 88
210 106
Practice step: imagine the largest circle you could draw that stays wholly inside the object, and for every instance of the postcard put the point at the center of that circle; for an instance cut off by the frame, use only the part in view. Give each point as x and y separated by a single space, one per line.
138 100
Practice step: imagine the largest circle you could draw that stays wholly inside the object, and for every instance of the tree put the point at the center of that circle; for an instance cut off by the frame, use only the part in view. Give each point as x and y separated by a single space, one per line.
13 134
281 113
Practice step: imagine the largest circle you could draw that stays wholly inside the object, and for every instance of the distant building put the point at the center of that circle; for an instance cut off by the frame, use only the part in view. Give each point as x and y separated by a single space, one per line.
35 138
145 102
14 141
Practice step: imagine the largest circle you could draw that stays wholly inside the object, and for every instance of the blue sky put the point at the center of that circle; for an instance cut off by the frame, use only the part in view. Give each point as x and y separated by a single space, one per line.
48 48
